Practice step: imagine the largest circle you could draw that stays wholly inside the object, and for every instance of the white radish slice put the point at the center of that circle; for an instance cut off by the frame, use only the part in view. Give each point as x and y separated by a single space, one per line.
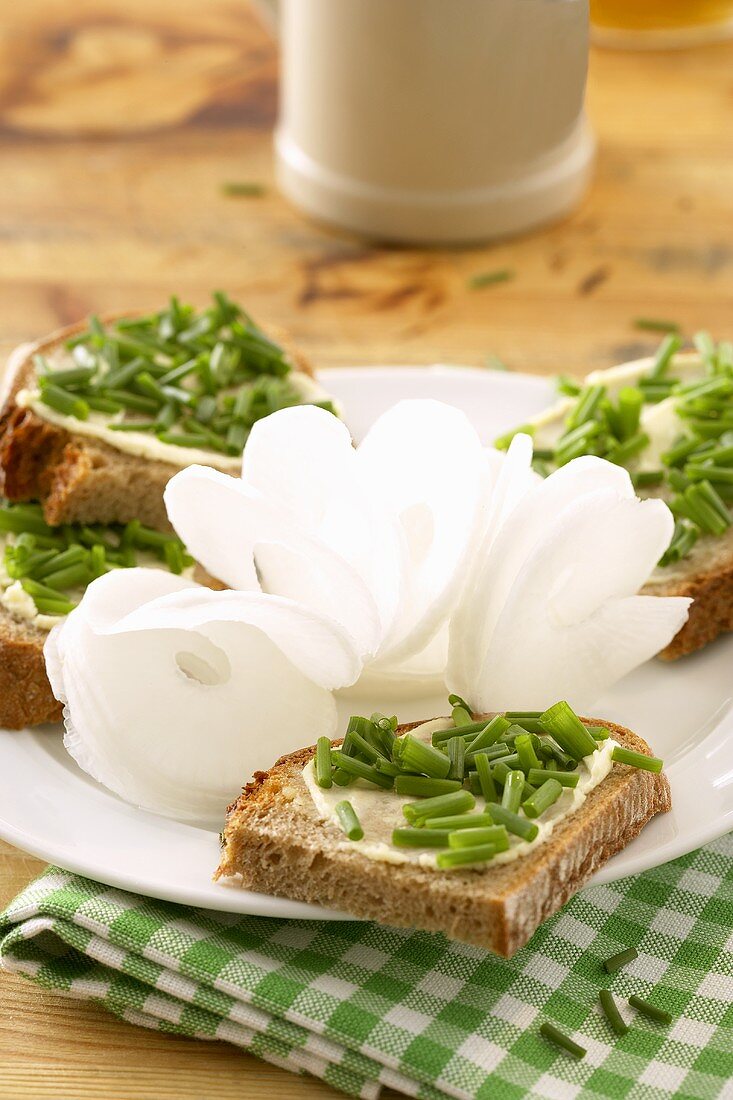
299 458
525 512
177 704
559 632
511 479
425 460
244 541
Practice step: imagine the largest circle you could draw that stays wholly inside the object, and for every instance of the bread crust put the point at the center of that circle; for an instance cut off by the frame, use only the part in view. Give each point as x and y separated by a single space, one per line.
274 842
26 698
76 478
708 581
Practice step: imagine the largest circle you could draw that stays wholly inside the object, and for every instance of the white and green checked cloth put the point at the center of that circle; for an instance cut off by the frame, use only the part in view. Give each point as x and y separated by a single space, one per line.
363 1006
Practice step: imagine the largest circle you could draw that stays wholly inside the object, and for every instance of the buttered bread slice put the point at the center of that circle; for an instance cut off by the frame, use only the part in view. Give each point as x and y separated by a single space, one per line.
484 856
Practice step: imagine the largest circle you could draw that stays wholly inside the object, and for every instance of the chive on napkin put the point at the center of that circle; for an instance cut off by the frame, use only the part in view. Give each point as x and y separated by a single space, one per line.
363 1006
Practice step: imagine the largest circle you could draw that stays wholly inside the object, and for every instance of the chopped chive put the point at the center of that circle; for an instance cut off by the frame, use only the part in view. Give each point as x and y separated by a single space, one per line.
360 770
501 770
538 776
348 820
420 838
362 747
66 403
42 591
445 735
515 823
567 386
382 764
413 755
420 786
639 760
705 346
491 733
588 401
683 539
659 1015
457 758
599 733
622 452
644 479
612 1013
490 278
486 779
53 607
457 857
323 762
243 189
74 576
528 758
654 324
562 722
459 821
615 962
443 805
71 556
496 835
554 1035
544 797
342 778
511 798
666 350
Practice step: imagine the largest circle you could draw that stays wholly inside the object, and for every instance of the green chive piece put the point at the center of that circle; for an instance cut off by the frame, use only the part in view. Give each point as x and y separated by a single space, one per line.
554 1035
515 823
684 538
502 769
247 189
612 1013
639 760
599 733
74 576
413 755
511 799
490 278
486 779
544 797
348 820
420 838
361 747
360 770
620 959
461 715
457 757
644 479
456 857
585 409
490 734
66 403
654 324
622 452
563 723
459 821
53 607
323 762
566 779
342 778
657 1014
458 802
528 758
445 735
567 385
420 786
705 346
667 349
496 835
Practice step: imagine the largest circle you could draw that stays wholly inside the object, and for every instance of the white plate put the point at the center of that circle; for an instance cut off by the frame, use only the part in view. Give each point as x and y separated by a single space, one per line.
51 809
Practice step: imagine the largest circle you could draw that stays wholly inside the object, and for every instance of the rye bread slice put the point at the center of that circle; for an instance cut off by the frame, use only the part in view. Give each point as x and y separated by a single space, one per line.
79 479
274 843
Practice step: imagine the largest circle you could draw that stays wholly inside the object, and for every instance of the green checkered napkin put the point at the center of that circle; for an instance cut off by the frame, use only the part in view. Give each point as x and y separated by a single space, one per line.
362 1006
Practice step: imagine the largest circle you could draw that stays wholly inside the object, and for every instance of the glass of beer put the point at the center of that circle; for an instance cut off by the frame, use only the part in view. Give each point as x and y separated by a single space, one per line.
660 24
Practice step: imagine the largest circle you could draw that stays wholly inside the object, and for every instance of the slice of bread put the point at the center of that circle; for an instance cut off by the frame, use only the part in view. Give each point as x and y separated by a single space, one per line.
706 574
275 843
26 698
79 479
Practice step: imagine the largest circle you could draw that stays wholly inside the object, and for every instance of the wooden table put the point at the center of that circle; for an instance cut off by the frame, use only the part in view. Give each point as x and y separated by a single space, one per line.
121 119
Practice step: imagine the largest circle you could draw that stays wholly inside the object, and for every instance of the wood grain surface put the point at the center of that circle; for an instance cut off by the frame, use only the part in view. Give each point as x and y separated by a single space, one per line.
120 120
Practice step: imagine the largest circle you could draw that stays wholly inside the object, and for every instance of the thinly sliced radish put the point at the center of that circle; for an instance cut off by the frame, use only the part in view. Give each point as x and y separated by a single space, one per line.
556 631
425 460
249 544
177 703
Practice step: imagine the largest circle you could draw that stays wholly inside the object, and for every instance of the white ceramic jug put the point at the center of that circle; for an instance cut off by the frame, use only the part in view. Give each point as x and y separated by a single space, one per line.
433 120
